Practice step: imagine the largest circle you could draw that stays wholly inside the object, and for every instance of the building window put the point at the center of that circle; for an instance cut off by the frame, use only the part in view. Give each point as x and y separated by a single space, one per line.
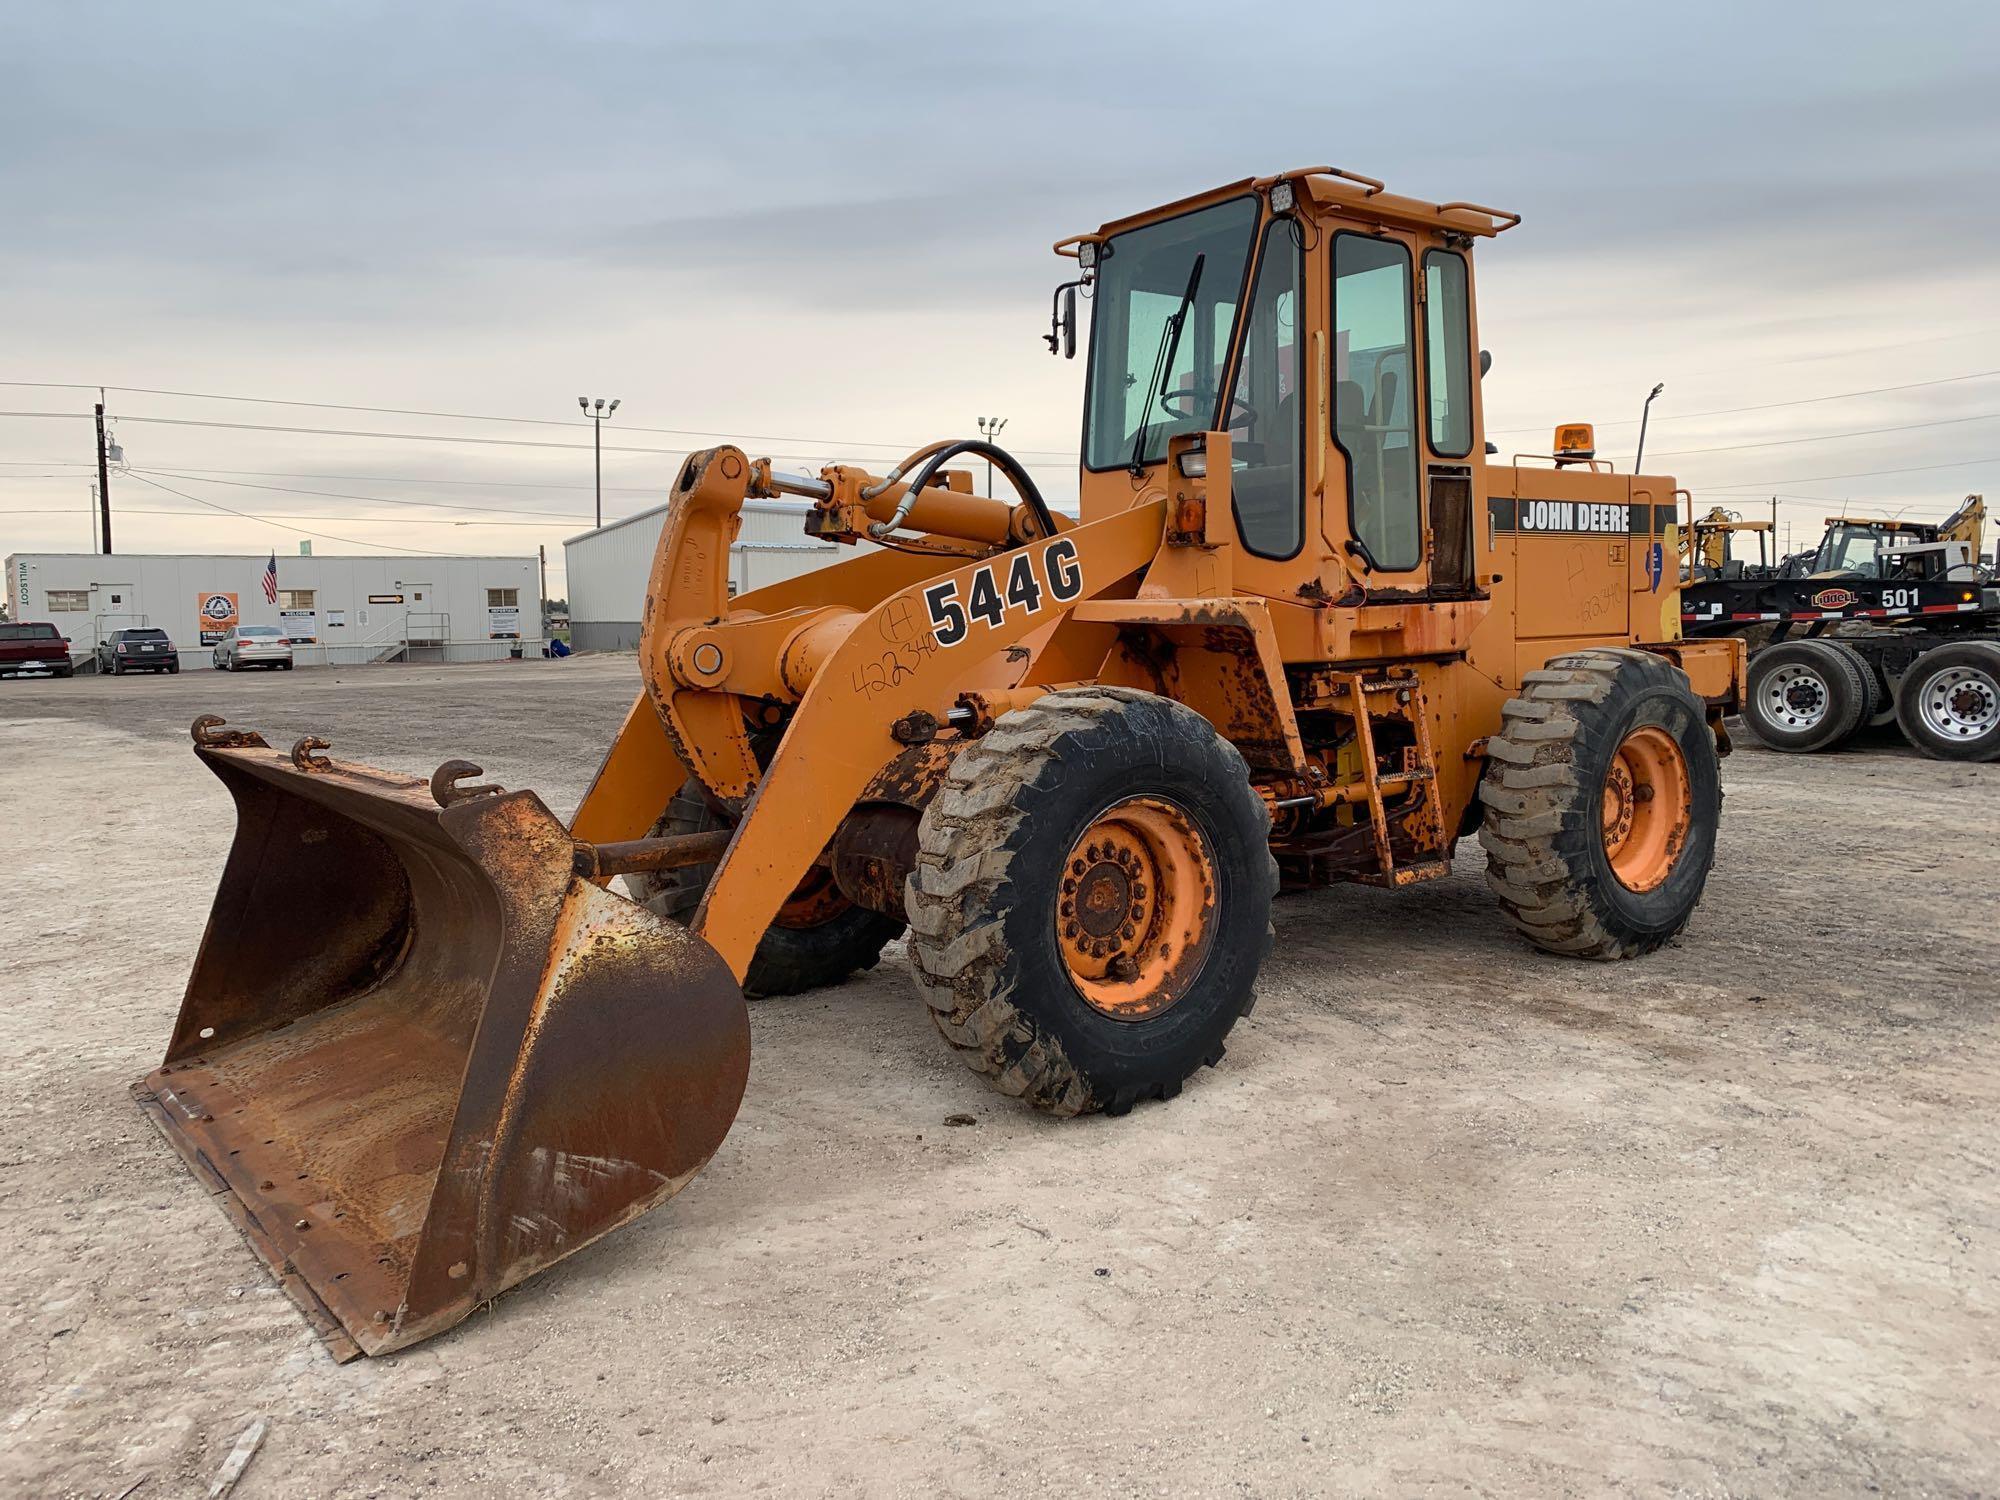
68 601
503 598
296 599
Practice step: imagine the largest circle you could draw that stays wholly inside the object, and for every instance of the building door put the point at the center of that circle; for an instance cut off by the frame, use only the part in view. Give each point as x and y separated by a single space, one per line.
422 623
114 606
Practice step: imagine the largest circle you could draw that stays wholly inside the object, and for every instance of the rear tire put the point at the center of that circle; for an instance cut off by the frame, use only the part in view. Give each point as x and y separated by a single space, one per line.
1603 790
1092 899
805 956
1806 696
1948 705
1874 692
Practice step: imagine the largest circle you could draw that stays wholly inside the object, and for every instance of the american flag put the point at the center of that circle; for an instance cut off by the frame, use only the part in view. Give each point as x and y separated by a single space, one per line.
271 579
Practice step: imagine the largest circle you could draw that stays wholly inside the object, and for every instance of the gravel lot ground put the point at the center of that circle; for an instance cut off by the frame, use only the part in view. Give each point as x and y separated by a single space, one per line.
1452 1218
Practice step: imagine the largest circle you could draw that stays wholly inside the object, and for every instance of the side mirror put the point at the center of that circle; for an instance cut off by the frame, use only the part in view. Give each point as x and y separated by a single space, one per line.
1485 362
1061 337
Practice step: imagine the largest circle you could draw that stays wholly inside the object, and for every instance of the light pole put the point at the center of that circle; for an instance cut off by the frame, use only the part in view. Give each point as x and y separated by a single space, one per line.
989 428
597 417
1644 412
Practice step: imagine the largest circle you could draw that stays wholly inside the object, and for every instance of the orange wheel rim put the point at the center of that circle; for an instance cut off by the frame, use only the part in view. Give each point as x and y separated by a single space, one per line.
1135 908
814 900
1648 808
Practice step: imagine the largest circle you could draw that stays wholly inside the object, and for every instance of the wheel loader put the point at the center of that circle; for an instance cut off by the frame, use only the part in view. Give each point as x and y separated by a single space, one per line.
1304 628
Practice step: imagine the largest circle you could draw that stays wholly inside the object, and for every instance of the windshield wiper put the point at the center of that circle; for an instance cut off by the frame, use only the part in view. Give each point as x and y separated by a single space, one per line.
1163 365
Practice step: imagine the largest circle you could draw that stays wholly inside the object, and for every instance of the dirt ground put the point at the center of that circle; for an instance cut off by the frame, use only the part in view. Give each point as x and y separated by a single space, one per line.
1453 1218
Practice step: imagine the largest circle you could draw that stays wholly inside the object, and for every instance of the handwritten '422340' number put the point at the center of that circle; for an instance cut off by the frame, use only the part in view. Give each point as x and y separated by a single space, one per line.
987 601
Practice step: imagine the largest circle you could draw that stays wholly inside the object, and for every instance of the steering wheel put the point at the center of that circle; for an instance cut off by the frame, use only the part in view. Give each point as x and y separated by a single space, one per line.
1240 411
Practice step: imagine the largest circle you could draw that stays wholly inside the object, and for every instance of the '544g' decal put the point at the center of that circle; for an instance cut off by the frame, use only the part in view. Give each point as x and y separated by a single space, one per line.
987 601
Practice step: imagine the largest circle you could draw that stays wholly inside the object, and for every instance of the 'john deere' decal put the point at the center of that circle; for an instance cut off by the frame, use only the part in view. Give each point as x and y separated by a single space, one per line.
1577 518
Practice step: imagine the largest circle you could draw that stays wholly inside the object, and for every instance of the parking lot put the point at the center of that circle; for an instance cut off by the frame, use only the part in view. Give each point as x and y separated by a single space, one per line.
1453 1216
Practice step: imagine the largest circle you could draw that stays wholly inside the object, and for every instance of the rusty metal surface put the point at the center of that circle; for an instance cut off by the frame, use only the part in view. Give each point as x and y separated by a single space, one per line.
636 856
873 854
419 1059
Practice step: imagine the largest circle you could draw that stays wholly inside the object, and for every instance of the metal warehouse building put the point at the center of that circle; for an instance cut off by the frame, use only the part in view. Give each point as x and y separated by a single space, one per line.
608 568
337 610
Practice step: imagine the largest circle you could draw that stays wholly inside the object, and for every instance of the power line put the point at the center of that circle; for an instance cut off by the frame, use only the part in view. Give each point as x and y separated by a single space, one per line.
428 437
281 489
127 510
496 484
1827 437
1758 484
1730 411
265 520
467 416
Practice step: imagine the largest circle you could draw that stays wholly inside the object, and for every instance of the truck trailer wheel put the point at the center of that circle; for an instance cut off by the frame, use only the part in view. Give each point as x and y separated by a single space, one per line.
1602 790
1092 899
1806 695
818 938
1949 702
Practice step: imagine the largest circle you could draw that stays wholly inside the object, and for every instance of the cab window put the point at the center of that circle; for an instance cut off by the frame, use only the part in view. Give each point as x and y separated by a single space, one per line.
1373 410
1263 417
1448 353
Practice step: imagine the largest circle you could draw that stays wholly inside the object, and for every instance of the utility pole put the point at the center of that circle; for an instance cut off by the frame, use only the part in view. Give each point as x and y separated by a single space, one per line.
543 554
93 515
989 428
103 478
1645 412
597 445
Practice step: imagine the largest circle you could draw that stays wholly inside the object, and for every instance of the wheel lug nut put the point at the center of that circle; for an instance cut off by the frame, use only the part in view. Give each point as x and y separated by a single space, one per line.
1128 932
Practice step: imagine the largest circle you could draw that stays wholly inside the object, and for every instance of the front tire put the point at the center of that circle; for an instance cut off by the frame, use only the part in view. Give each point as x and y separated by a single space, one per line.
1603 790
1092 899
818 938
1948 705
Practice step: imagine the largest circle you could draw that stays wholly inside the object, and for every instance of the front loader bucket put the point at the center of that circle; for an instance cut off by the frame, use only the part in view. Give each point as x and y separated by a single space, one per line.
419 1058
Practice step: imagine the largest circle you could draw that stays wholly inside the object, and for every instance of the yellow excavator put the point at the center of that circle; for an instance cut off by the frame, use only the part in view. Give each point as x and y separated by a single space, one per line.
1301 623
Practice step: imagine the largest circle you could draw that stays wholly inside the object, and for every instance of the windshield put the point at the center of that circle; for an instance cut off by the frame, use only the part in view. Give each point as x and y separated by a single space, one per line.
1849 549
1142 277
27 633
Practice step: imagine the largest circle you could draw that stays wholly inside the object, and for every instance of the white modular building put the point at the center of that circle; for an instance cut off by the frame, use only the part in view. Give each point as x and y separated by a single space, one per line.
608 568
337 610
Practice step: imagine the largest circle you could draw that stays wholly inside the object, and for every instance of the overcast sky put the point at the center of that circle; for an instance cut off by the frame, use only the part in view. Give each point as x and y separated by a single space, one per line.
824 229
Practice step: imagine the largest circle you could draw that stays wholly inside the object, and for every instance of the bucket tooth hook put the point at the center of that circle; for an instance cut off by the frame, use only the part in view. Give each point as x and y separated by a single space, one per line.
445 781
303 757
209 733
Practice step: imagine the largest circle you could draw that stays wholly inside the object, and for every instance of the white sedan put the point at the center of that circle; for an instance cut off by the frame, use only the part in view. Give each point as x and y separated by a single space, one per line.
253 646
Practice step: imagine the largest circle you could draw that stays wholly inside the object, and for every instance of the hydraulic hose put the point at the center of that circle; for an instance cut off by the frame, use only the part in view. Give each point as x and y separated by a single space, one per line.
942 453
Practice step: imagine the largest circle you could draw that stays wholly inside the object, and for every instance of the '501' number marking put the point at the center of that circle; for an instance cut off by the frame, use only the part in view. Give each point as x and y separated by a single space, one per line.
987 602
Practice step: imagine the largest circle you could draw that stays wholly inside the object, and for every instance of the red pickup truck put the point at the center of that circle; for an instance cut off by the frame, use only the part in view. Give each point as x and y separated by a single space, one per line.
33 647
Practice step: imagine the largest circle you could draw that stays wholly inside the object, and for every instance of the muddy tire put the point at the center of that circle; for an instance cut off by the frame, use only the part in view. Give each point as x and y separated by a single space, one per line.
1092 900
1948 704
805 951
1807 696
1603 790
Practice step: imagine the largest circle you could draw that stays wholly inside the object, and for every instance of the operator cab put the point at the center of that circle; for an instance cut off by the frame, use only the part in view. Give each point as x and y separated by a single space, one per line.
1327 326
